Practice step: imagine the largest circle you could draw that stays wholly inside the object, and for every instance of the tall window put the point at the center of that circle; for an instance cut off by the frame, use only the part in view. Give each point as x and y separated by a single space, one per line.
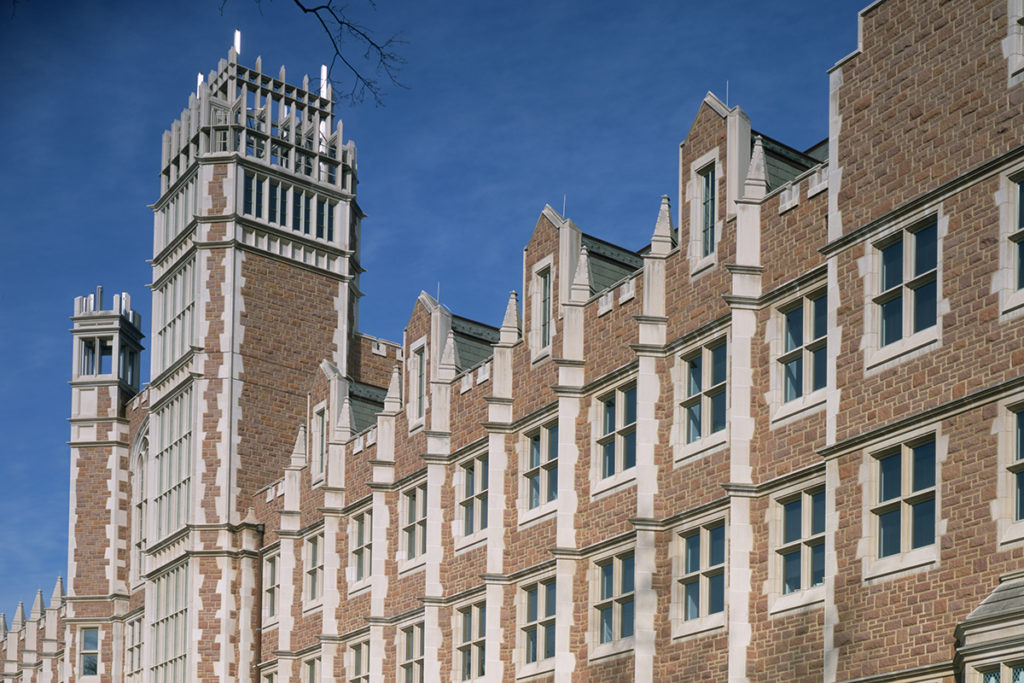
319 441
271 587
175 301
173 463
703 579
89 653
474 495
472 633
909 288
804 362
360 653
615 593
420 360
314 567
539 621
252 195
1017 468
311 670
139 510
545 307
705 403
905 508
362 545
278 208
617 443
414 529
542 466
133 654
802 550
707 203
411 654
170 628
1017 234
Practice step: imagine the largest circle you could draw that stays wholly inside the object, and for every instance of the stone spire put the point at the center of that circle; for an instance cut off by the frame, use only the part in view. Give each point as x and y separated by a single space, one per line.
510 330
19 618
662 241
756 184
37 607
393 399
450 355
299 452
58 594
581 280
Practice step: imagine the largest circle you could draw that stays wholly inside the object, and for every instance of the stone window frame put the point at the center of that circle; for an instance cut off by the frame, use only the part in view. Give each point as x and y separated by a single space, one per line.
271 588
1008 427
706 621
418 376
699 261
360 555
471 499
135 629
139 502
171 586
169 509
601 484
87 653
543 621
879 356
1013 43
538 349
174 311
996 672
615 557
811 400
268 677
313 570
311 670
417 526
472 643
319 438
909 560
807 596
709 441
544 435
1008 280
410 660
357 662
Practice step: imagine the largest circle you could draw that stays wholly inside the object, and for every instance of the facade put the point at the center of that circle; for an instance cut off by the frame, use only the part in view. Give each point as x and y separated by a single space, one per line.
784 441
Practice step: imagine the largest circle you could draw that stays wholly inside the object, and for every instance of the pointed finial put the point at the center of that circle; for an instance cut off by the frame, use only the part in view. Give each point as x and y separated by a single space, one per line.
199 83
662 242
19 618
510 329
305 82
299 452
280 74
581 280
393 400
237 46
756 184
37 607
58 594
345 416
450 355
259 64
323 80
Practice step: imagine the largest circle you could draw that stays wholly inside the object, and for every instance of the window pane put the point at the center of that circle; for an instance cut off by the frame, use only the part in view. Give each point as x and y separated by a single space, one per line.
481 626
692 553
718 359
90 639
820 306
629 450
692 600
889 477
717 538
531 604
818 564
470 480
89 665
533 485
553 483
794 372
923 523
549 642
1020 261
693 423
607 582
630 416
718 412
924 306
553 443
609 415
531 646
925 250
791 521
818 513
889 533
608 460
483 511
991 677
892 265
694 376
924 466
467 626
549 599
535 451
819 368
795 329
628 567
791 572
892 320
627 619
1020 495
606 624
1020 435
1018 674
716 594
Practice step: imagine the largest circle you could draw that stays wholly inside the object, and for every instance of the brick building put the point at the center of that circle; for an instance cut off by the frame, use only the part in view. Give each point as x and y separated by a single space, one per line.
784 441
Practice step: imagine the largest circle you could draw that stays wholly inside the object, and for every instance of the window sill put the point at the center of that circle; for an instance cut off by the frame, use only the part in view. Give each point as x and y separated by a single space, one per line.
545 666
897 351
811 598
360 586
538 514
616 482
699 627
540 355
1013 303
1012 533
466 543
610 649
912 561
310 607
798 408
409 566
417 424
270 623
703 264
701 447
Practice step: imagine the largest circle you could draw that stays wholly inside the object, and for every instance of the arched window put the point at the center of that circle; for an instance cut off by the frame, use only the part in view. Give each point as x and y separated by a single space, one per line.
138 512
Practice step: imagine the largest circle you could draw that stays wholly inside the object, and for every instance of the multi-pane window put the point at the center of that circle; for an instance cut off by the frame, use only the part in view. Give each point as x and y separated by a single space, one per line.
804 361
252 195
362 545
802 549
311 670
908 296
474 496
414 528
1017 466
139 510
360 653
269 678
175 300
617 443
703 579
705 402
539 621
173 463
314 567
133 649
420 361
1014 673
1017 233
542 466
271 587
411 654
544 280
170 642
179 211
615 598
319 459
89 652
278 206
707 207
472 625
302 208
325 219
904 510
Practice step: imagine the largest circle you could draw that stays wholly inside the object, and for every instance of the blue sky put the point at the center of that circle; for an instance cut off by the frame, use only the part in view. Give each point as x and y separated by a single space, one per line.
509 106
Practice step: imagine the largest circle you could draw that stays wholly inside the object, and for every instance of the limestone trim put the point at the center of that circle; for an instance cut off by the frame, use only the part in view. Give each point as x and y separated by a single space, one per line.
699 169
536 463
613 420
806 595
470 483
612 592
1007 281
1013 43
694 563
700 385
469 638
536 614
418 377
1008 506
543 312
797 351
359 568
